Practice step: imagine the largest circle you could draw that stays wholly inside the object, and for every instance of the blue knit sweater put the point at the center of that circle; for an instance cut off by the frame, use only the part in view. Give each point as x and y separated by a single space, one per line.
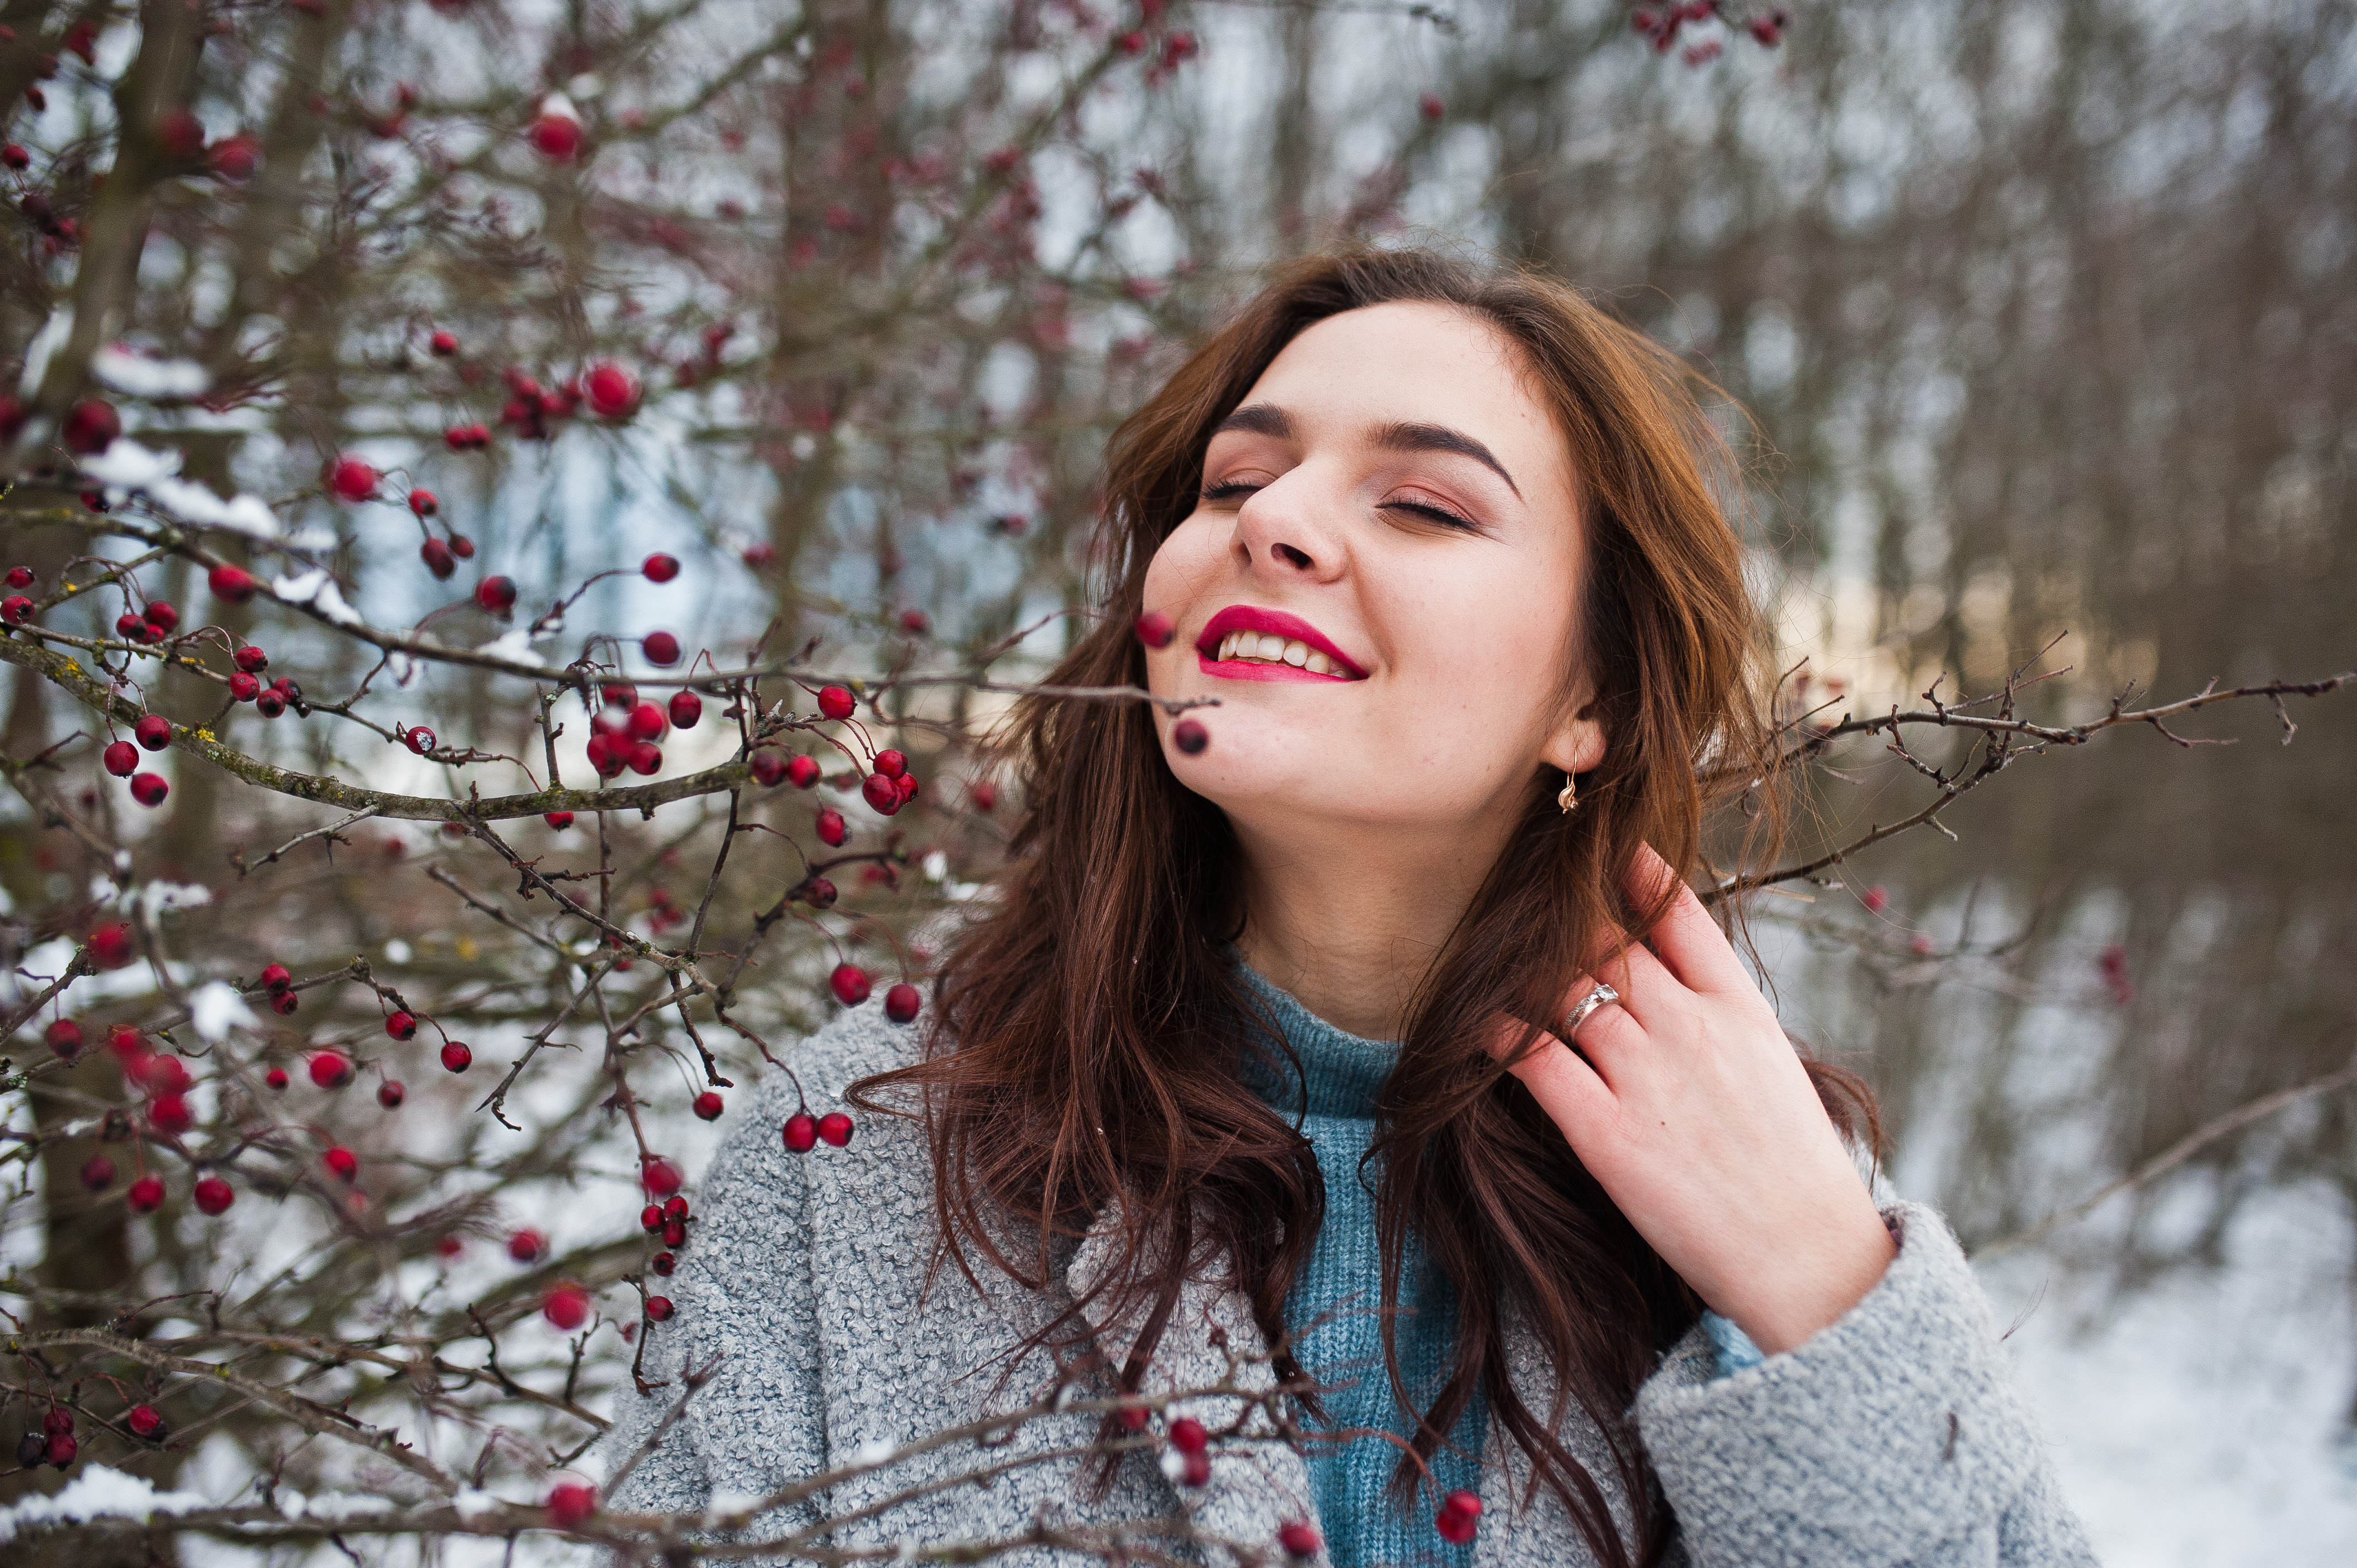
1342 1284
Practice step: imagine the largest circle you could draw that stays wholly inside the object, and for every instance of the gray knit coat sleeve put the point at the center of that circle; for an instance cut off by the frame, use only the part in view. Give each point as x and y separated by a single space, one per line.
1898 1436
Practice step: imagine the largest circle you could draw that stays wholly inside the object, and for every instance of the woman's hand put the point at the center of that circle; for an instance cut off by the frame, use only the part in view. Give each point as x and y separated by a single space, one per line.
1701 1123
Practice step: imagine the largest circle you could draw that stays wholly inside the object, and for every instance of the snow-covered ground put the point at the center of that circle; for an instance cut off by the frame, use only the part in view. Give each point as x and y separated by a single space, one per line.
2198 1422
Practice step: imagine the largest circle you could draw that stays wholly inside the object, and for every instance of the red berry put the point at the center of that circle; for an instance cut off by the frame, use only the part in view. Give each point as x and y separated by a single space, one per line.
908 783
836 701
252 660
424 502
662 1263
1195 1470
170 1114
155 732
270 704
881 793
646 759
613 394
660 567
390 1094
901 1003
213 1194
164 1075
234 584
1190 736
144 1421
559 821
618 694
659 1176
277 977
647 722
1134 1418
17 610
64 1036
111 946
438 559
802 772
891 764
243 688
443 343
916 622
526 1246
121 760
1154 630
659 1308
801 1133
830 829
686 710
651 1219
15 156
331 1070
570 1503
674 1233
606 755
448 1247
1456 1520
401 1026
984 795
674 1209
146 1195
60 1449
98 1173
661 647
419 740
835 1128
352 479
566 1307
275 1077
285 1002
708 1105
149 788
90 426
341 1162
1299 1539
161 615
496 595
1188 1437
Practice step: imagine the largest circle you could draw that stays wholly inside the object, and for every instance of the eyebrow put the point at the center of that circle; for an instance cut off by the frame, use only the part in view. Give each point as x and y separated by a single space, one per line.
1399 436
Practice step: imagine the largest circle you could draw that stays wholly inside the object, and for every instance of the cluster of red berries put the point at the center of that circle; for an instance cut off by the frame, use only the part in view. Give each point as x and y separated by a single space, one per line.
442 558
1459 1519
773 767
625 732
278 985
18 609
804 1132
54 1444
155 733
667 1222
152 623
1191 1446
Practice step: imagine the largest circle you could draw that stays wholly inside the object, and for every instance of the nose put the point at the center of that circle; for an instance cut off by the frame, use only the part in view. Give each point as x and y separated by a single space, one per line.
1286 528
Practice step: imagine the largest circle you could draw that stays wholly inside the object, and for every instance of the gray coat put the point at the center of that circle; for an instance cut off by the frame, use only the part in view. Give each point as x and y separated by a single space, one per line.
1894 1436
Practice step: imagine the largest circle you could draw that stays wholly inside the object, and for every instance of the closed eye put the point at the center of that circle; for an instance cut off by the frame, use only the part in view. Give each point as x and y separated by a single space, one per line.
1437 512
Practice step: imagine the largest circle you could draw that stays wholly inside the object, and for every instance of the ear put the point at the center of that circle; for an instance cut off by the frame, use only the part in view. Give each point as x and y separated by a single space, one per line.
1577 744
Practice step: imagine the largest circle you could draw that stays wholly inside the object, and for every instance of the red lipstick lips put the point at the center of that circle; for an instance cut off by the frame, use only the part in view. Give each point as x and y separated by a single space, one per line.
1250 618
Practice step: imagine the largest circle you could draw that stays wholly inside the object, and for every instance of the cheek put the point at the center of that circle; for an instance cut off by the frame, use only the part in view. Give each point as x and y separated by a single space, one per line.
1193 549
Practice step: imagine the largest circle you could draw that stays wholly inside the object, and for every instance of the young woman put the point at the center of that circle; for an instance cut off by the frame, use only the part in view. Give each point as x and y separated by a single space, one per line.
1359 1031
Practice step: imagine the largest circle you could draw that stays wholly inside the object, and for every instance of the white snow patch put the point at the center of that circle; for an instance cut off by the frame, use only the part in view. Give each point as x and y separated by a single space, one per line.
873 1452
516 647
556 103
216 1009
46 342
318 590
472 1504
126 466
97 1492
136 377
725 1502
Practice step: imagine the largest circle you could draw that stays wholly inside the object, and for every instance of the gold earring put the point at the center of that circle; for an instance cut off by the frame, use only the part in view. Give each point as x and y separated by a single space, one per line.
1568 796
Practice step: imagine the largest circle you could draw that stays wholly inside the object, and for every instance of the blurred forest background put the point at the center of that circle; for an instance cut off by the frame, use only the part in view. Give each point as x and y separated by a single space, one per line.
2046 311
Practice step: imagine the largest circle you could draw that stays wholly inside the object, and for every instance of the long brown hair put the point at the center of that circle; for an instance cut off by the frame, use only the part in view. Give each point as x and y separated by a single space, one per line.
1089 1028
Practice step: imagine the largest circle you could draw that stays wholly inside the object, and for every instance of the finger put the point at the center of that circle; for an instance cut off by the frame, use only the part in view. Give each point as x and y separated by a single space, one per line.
1648 989
1605 1036
1691 944
1575 1097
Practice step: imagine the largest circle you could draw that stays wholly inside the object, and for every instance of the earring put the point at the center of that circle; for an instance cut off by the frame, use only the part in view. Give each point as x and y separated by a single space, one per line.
1568 796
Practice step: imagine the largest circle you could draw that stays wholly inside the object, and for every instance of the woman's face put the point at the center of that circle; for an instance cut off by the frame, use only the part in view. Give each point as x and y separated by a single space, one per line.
1379 584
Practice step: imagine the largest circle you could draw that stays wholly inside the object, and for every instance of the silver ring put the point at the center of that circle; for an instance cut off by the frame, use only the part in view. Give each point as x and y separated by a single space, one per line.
1587 1003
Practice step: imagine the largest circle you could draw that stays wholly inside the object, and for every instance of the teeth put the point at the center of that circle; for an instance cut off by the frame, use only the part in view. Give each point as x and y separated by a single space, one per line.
1267 648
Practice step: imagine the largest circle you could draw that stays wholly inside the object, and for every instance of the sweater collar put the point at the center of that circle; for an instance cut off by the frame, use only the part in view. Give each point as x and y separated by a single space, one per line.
1342 1072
